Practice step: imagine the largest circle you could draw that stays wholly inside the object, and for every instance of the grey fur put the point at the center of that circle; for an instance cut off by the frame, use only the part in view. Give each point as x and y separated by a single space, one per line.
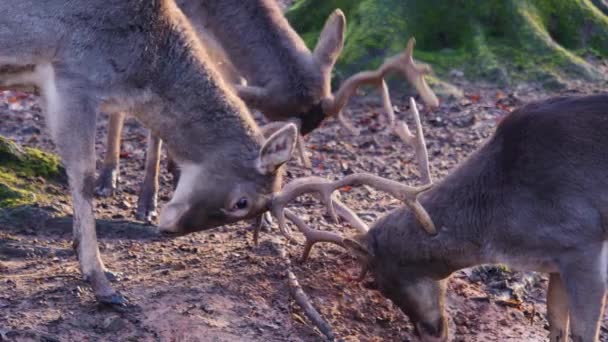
250 40
534 196
268 53
141 57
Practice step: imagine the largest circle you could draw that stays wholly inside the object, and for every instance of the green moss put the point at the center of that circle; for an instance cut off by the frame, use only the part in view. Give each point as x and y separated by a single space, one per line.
29 162
501 41
25 173
11 196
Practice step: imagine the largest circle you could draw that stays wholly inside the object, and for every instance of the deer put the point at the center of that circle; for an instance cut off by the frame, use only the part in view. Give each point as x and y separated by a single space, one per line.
253 41
141 57
533 197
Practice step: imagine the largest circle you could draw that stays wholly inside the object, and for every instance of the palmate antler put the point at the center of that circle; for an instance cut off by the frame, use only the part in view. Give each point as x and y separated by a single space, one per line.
402 63
324 190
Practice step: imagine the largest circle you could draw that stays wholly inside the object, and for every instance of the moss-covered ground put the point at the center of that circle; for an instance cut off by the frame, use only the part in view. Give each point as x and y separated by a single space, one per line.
26 173
505 41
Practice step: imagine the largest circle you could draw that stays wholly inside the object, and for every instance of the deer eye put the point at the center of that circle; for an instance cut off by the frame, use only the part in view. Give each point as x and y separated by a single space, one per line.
240 204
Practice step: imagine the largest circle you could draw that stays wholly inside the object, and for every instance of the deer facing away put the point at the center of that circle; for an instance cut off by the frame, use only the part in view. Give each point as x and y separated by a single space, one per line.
534 196
285 80
142 58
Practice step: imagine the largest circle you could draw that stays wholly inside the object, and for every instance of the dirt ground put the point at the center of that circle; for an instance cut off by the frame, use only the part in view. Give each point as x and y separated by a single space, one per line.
217 285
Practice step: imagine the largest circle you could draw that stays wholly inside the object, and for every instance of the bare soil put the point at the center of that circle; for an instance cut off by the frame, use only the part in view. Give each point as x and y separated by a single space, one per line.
217 285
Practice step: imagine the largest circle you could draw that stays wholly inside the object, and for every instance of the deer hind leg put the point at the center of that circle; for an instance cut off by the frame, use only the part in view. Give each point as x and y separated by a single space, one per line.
585 281
71 118
173 169
108 177
146 205
557 309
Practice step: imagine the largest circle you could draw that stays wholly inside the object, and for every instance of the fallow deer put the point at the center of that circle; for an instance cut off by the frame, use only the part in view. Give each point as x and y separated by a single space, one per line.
534 196
141 57
285 80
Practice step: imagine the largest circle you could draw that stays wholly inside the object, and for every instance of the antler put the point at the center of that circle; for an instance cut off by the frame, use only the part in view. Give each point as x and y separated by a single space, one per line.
403 63
415 140
325 189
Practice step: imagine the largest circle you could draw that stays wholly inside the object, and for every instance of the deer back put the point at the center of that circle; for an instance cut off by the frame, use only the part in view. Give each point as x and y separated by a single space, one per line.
268 53
145 58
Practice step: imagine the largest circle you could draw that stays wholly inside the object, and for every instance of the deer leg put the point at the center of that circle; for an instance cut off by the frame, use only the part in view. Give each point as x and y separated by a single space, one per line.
146 205
302 152
557 309
173 169
72 124
584 278
108 177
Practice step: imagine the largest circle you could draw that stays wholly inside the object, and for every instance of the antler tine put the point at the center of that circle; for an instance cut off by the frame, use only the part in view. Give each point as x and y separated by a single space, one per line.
414 73
349 215
415 140
407 194
312 235
325 189
403 63
420 144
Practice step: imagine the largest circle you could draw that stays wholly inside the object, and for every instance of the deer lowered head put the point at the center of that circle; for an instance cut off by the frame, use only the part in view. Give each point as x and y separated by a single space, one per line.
202 201
533 196
285 80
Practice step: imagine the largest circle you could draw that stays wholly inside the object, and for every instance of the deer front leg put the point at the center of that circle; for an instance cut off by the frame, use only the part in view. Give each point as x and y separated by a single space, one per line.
302 152
108 177
72 124
557 309
146 205
584 277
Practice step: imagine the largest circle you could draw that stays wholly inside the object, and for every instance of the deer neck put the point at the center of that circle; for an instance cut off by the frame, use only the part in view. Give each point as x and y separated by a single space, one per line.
190 106
465 206
462 206
259 40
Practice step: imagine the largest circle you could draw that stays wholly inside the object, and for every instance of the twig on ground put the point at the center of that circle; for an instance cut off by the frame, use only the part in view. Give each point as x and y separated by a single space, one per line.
300 296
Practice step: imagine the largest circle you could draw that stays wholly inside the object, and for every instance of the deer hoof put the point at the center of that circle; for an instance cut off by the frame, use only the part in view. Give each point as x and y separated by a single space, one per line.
107 182
113 277
146 209
115 300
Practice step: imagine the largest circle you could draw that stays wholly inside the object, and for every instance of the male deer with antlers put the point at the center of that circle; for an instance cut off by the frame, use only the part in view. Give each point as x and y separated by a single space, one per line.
285 80
141 57
534 196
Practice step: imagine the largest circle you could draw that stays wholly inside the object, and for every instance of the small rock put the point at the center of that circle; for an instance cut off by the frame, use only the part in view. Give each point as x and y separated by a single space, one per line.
437 122
179 266
124 205
456 73
113 324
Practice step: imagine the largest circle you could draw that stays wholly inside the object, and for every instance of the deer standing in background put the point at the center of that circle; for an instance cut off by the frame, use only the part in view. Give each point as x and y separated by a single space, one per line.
285 80
534 197
141 57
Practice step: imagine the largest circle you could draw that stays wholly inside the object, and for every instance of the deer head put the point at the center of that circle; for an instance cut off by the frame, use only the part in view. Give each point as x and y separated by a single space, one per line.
421 296
418 295
201 200
314 101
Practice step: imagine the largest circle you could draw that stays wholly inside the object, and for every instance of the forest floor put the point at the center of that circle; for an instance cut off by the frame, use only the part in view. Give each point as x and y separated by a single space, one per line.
217 285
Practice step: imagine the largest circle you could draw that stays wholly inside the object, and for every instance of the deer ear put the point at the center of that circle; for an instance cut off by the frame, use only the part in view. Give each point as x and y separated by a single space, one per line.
331 40
357 246
277 149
